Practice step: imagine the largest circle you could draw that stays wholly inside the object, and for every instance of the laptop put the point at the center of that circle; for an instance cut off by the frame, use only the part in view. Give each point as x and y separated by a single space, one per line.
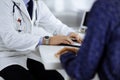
81 30
83 27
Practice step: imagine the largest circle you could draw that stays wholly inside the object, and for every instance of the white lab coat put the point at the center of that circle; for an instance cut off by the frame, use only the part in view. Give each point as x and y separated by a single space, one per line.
15 47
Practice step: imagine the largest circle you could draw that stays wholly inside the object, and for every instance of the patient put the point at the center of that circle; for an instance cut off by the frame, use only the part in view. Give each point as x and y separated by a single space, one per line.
100 50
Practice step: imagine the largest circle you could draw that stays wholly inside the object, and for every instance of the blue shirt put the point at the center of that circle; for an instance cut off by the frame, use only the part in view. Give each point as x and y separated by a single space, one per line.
26 1
41 39
100 52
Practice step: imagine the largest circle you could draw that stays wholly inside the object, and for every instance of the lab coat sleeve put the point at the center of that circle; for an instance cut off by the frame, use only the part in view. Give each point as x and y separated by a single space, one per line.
49 22
85 64
9 36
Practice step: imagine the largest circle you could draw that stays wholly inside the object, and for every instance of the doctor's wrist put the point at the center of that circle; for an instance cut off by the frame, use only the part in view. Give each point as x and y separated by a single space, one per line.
46 40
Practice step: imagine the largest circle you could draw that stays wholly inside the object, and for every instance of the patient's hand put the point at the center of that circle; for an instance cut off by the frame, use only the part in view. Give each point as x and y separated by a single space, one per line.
66 49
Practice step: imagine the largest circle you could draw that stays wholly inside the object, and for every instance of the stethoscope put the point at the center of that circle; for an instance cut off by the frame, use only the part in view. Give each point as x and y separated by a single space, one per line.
19 20
16 5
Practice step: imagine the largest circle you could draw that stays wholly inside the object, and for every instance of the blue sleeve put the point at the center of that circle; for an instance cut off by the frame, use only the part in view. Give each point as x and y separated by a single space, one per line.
84 65
40 41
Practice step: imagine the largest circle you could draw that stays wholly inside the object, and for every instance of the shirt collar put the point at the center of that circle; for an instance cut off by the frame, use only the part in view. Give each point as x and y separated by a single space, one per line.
26 1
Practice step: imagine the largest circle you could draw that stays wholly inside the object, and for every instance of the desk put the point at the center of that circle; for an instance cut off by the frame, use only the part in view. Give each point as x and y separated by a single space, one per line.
48 56
49 60
47 53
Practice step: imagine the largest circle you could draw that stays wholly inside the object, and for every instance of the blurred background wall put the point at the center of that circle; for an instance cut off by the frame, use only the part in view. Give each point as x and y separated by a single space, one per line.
69 12
65 11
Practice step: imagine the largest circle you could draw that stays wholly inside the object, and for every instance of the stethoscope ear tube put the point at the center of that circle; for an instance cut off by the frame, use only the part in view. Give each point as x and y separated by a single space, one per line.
19 19
15 5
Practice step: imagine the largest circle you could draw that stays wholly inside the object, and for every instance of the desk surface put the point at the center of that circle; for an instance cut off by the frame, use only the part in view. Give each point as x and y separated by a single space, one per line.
50 61
48 56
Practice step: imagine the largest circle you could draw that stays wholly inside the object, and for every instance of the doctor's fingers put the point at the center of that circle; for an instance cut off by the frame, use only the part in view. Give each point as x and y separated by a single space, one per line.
67 40
75 37
60 39
64 40
79 39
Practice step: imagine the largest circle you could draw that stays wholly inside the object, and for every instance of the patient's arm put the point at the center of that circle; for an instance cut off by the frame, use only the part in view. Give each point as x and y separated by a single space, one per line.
66 49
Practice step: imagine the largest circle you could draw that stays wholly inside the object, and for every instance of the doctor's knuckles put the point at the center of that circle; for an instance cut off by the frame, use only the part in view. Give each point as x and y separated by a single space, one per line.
60 39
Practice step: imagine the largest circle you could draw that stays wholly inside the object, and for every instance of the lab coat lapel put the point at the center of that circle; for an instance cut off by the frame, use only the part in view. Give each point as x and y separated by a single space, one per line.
22 6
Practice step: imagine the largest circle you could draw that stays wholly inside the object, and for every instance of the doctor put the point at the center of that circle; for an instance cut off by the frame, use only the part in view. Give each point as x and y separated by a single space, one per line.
20 35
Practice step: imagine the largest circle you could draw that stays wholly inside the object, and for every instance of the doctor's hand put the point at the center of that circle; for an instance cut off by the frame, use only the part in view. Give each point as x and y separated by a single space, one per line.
65 50
75 37
60 39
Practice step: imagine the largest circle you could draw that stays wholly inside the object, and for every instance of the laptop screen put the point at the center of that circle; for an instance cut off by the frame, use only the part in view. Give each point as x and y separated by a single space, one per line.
83 26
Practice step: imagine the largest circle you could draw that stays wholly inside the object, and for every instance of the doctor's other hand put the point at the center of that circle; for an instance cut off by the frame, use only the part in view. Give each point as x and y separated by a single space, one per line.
60 39
65 50
75 37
